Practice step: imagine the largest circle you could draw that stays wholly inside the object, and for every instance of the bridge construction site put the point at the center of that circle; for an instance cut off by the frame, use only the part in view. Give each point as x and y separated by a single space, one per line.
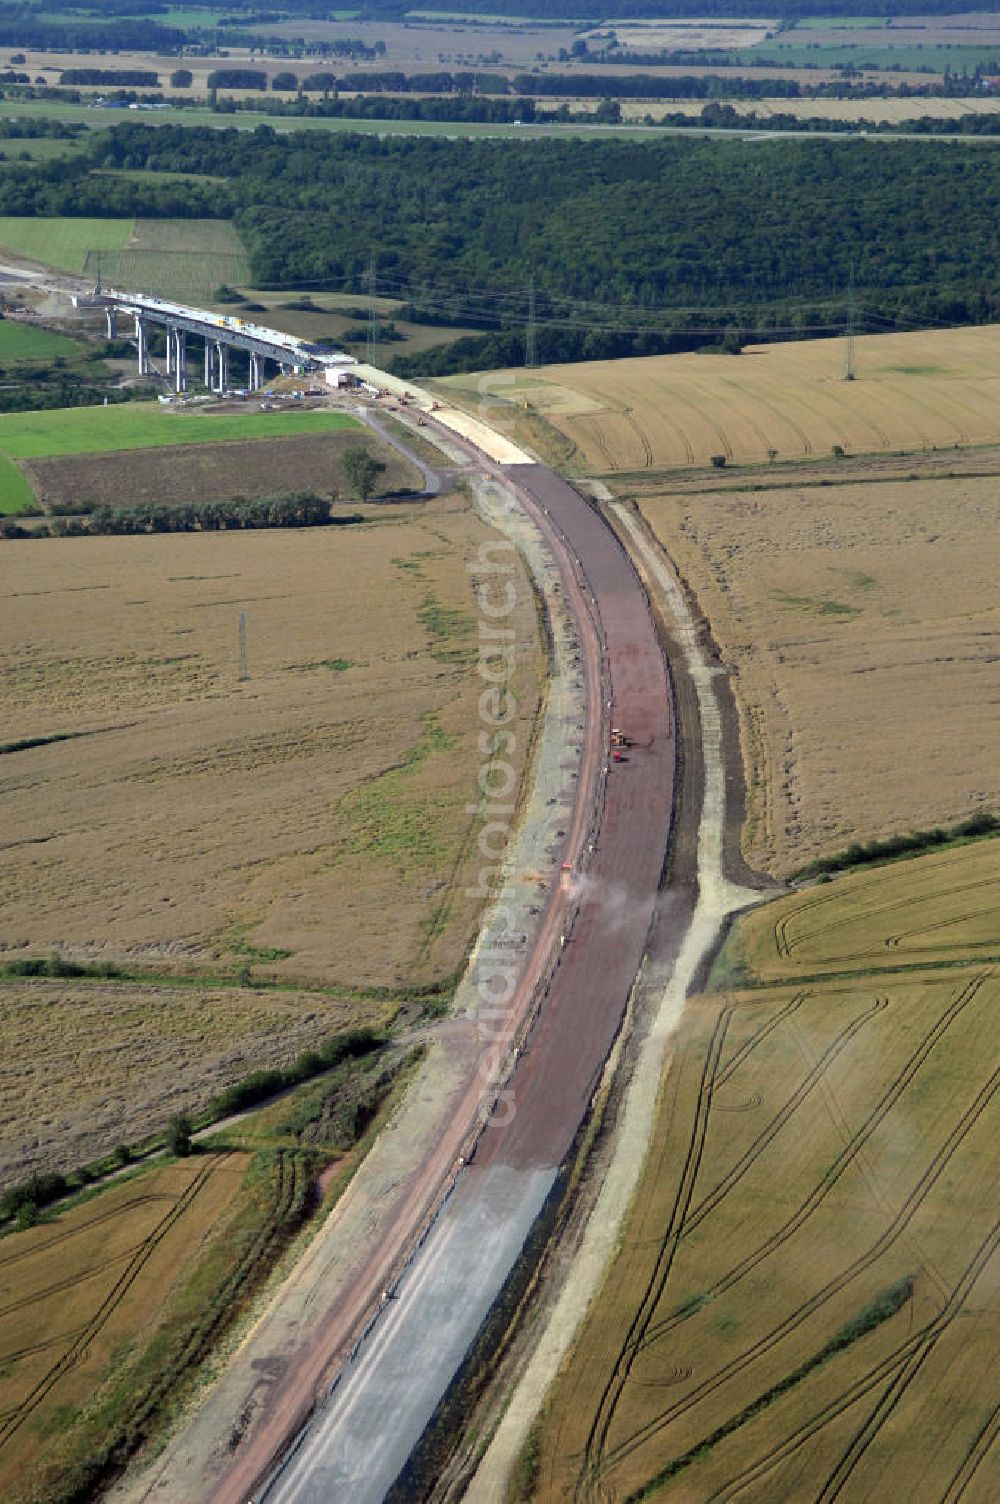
220 334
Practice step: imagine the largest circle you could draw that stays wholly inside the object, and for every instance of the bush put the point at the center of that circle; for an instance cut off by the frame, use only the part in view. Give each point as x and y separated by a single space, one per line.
39 1191
179 1135
719 461
860 853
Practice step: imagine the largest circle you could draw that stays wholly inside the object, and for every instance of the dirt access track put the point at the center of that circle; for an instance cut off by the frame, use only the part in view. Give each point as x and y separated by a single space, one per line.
580 969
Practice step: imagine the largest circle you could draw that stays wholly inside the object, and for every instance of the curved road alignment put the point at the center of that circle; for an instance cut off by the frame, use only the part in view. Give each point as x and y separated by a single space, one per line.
357 1443
717 897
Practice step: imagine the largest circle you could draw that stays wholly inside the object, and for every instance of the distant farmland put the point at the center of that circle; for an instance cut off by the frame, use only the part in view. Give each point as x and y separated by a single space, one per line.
188 259
773 402
62 242
805 1304
181 257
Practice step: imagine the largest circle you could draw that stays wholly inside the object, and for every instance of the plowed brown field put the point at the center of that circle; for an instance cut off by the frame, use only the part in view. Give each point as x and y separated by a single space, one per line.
211 472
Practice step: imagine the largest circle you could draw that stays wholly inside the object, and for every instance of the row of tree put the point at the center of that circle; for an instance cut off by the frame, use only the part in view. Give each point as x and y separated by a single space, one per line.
632 244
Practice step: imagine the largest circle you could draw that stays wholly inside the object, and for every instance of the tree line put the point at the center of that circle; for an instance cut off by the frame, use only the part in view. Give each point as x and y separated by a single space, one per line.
301 509
634 245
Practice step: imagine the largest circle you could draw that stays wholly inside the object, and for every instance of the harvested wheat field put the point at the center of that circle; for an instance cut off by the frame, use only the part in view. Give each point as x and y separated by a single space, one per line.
79 1293
312 818
806 1302
87 1064
782 401
860 626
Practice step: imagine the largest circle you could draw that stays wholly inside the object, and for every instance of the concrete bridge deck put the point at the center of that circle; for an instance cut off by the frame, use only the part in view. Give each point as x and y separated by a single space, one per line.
220 333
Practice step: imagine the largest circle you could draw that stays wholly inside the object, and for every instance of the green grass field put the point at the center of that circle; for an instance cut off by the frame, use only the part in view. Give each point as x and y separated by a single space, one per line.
839 23
25 342
877 53
15 493
185 259
59 242
38 148
141 425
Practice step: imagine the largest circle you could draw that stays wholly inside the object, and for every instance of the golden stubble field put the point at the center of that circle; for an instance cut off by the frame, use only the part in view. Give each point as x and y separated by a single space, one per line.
87 1065
859 623
806 1302
784 401
308 825
316 808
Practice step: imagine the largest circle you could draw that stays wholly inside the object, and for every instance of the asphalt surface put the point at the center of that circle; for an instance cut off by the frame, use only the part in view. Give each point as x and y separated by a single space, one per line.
357 1442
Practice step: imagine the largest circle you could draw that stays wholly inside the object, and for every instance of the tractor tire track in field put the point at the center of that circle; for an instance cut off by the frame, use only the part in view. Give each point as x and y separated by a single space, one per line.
667 417
595 429
611 1394
978 1452
29 1352
846 1156
701 417
77 1278
932 1173
115 1295
908 1357
784 946
751 423
780 1120
75 1232
775 411
912 401
906 901
778 410
704 412
893 942
758 1037
844 410
640 434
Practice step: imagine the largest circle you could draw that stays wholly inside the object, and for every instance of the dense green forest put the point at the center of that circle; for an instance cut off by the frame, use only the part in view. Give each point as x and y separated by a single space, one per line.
631 245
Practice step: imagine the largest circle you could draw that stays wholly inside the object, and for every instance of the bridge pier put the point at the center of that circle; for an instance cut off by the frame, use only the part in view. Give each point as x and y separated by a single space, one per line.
112 316
222 357
141 339
180 358
255 381
170 350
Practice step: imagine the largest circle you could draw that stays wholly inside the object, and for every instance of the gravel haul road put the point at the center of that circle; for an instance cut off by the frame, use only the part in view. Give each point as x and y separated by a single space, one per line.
360 1437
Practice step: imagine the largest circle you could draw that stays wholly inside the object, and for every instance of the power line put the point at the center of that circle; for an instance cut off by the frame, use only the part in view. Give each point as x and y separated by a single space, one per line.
849 352
530 358
372 341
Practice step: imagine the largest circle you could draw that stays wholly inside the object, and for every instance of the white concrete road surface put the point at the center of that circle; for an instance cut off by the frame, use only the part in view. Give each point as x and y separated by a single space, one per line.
359 1441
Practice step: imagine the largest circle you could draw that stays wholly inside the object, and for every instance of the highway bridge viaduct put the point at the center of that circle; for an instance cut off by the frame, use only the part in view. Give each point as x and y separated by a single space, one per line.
220 335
